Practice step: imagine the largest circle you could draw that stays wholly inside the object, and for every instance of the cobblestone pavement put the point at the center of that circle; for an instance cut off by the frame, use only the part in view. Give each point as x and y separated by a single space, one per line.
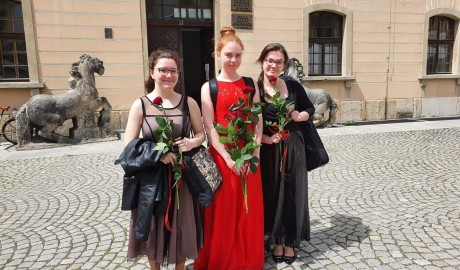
386 200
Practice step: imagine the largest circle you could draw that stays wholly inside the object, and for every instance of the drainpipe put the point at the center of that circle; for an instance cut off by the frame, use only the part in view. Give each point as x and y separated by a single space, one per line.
388 73
387 80
386 86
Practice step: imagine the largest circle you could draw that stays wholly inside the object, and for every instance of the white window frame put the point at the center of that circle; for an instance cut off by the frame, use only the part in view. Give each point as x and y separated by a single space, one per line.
455 15
347 45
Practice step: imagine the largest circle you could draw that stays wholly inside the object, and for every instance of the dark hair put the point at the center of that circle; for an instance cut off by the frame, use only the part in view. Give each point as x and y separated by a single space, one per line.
228 34
269 48
153 60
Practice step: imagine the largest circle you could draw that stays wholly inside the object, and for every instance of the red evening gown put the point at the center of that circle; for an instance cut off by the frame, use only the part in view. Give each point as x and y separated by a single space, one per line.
233 239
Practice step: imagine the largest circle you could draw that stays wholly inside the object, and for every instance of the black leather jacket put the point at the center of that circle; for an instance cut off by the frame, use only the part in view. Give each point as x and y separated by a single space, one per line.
145 184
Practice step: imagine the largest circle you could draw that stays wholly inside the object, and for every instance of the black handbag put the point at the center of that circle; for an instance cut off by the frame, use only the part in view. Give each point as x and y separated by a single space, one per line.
201 174
315 153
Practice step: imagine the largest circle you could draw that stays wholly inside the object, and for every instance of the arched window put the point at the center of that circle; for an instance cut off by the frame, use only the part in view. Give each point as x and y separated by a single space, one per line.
325 44
13 55
441 39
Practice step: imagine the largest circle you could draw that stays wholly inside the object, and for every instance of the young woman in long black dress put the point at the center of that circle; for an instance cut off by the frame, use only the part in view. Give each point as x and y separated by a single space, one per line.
285 188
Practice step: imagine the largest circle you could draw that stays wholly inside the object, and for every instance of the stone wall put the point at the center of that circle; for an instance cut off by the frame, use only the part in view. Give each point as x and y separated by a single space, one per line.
374 110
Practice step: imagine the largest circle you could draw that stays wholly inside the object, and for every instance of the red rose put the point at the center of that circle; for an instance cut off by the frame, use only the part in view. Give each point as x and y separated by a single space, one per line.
272 81
158 101
248 90
236 114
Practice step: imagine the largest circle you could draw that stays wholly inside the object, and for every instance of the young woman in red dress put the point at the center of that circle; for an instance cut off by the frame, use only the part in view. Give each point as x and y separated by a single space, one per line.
233 238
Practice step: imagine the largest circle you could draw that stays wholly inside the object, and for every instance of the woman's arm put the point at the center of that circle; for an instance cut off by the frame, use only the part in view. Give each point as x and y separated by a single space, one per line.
207 110
187 144
133 127
304 108
259 126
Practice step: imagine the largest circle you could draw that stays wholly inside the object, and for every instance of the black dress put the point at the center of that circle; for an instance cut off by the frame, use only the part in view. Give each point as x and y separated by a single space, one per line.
285 191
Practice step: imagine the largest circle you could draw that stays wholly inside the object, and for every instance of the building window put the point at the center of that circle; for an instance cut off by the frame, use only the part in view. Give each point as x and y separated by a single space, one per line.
173 10
325 44
13 55
440 45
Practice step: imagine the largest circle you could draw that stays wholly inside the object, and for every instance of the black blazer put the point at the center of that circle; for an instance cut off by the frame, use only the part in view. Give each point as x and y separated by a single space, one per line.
145 183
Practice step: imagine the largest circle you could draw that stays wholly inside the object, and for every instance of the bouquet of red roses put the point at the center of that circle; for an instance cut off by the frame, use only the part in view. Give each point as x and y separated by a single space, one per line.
165 141
283 109
238 138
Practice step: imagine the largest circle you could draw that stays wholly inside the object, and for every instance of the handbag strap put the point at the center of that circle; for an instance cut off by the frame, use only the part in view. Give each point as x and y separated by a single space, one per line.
185 113
184 116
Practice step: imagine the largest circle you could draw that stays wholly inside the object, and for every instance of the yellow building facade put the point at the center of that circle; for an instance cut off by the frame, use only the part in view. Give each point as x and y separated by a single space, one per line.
379 60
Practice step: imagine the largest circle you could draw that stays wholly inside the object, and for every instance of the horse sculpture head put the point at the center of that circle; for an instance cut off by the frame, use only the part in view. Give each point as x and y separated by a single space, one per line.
320 98
91 64
294 69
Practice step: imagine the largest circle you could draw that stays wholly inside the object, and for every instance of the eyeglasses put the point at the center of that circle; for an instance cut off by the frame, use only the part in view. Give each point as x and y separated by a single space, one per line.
165 71
272 62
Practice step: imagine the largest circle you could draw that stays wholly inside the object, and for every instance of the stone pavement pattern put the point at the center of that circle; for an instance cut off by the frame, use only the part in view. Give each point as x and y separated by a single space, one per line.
386 200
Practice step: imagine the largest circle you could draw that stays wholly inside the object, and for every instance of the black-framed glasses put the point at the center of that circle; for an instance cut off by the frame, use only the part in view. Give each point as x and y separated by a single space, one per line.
165 71
272 62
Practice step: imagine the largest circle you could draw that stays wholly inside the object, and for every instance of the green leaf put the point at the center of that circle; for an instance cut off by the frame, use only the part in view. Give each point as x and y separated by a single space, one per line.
161 121
161 147
256 110
239 163
231 130
221 129
253 167
225 140
246 157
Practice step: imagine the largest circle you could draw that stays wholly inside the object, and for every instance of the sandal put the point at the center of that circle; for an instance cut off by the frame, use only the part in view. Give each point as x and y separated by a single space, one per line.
290 259
277 258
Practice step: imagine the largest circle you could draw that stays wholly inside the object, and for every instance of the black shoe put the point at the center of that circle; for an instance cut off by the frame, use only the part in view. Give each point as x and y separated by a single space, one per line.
278 258
290 260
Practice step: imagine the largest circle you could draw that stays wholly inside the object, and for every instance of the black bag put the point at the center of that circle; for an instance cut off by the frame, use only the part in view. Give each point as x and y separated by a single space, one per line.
315 153
201 174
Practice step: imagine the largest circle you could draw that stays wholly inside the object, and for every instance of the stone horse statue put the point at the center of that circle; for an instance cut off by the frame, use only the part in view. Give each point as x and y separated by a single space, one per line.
43 114
322 101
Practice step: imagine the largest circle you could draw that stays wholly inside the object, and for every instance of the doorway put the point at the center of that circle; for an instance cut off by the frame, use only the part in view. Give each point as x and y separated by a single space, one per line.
185 26
198 63
195 46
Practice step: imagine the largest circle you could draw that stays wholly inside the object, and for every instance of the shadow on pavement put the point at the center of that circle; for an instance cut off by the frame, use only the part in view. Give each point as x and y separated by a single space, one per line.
345 231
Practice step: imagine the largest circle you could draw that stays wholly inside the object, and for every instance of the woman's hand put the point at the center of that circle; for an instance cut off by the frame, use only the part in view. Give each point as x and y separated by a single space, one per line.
299 116
184 144
275 138
168 158
231 164
245 170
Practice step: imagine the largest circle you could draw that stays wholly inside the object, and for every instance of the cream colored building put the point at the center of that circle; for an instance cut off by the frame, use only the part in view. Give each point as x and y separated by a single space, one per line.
379 59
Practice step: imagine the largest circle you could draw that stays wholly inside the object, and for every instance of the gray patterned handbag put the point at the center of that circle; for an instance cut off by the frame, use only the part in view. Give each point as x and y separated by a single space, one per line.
208 168
201 175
